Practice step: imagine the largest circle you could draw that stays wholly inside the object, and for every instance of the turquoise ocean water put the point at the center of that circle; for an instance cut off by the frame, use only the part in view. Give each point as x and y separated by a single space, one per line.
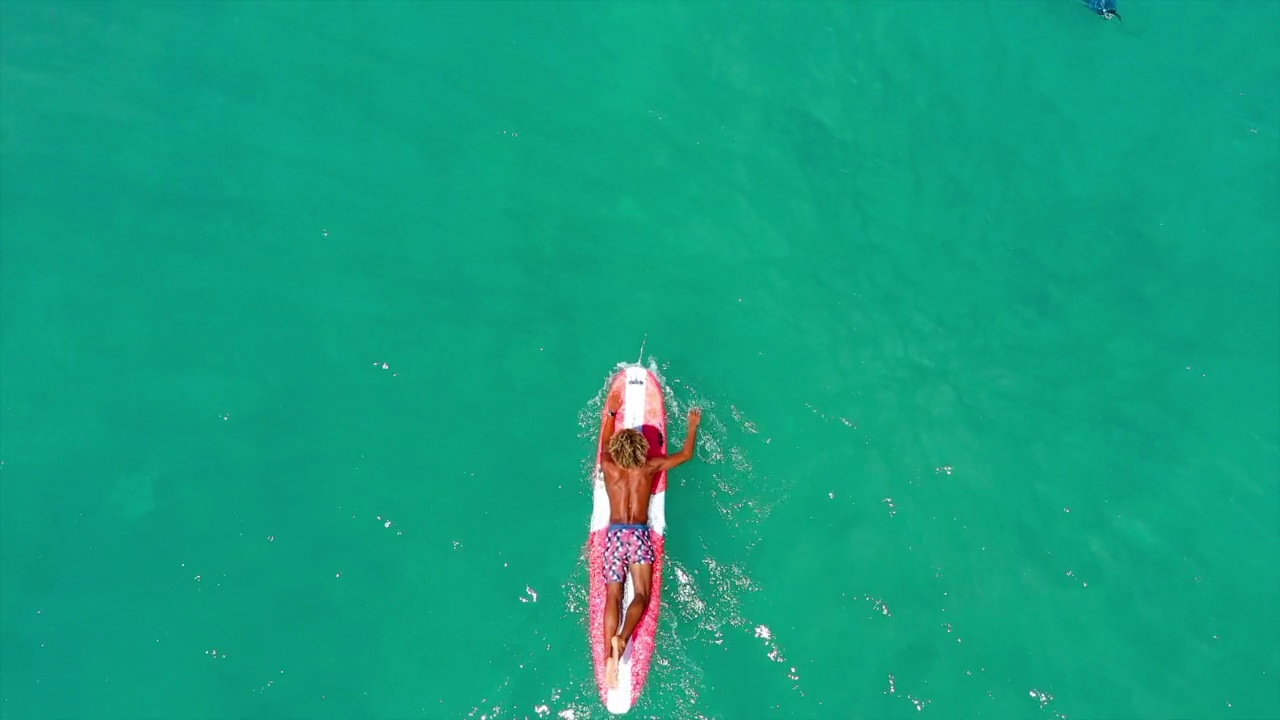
307 310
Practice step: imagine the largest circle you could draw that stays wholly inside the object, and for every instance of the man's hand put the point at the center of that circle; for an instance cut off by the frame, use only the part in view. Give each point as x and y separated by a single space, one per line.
613 402
690 443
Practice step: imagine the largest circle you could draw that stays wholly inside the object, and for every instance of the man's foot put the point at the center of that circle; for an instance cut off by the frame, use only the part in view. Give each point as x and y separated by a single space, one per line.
611 665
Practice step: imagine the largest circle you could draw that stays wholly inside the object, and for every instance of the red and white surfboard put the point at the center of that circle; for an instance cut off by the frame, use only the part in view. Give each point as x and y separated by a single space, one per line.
643 409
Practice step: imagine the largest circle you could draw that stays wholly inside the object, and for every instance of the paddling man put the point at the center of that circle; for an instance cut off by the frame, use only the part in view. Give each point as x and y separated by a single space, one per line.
1106 9
629 473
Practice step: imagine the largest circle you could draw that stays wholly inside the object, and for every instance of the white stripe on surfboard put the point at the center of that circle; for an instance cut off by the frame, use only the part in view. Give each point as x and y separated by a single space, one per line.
599 504
637 391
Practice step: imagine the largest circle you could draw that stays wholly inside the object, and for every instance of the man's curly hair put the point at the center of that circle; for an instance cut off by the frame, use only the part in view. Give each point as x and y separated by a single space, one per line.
628 448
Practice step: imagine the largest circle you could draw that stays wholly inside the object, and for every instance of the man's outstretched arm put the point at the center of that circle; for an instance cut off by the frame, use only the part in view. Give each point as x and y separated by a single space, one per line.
690 443
611 404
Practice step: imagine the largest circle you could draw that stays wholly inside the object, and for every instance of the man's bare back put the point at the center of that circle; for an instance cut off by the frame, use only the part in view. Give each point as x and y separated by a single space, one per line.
630 489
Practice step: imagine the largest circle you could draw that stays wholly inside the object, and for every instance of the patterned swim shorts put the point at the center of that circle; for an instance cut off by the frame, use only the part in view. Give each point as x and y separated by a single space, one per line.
624 546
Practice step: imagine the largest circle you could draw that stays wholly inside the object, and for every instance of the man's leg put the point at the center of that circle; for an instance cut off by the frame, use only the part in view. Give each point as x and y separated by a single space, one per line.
612 607
641 574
